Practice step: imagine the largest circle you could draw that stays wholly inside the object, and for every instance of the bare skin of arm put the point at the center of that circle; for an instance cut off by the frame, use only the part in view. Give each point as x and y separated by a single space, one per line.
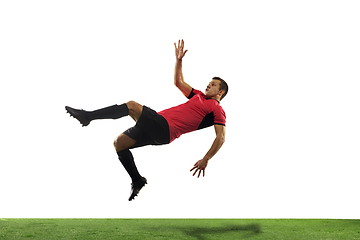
186 89
178 75
200 165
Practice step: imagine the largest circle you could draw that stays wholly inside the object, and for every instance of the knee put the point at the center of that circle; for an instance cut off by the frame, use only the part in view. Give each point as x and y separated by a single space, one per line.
135 109
131 105
123 142
117 144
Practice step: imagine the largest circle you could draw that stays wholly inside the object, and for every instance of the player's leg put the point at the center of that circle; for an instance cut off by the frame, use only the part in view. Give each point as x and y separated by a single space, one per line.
135 110
150 129
113 112
122 144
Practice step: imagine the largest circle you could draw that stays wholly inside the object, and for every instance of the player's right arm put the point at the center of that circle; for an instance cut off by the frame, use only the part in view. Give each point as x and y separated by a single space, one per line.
178 75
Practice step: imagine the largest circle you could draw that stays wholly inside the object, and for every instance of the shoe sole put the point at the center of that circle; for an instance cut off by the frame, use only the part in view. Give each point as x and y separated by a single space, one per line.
71 111
132 196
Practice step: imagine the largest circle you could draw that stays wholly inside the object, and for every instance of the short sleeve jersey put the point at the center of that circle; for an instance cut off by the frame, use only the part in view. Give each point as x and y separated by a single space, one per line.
197 113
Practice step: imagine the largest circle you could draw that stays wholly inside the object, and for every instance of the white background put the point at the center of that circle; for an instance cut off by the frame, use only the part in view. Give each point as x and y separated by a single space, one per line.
292 144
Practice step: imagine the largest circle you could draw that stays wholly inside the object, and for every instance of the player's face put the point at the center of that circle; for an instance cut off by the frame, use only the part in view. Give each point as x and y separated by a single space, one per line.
213 88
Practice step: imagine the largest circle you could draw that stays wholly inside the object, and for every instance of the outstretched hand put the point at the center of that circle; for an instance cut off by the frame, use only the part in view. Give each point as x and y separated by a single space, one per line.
179 50
200 166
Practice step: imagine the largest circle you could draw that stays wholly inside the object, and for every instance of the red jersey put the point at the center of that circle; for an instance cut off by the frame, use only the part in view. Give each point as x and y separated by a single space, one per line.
197 113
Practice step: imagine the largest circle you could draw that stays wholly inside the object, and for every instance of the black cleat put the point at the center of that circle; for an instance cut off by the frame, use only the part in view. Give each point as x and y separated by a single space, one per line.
136 187
79 115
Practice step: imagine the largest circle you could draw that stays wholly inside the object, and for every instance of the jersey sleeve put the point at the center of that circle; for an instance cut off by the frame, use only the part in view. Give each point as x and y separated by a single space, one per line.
193 93
219 116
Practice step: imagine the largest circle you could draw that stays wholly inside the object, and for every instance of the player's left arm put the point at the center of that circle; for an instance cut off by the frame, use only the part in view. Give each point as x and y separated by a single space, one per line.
200 166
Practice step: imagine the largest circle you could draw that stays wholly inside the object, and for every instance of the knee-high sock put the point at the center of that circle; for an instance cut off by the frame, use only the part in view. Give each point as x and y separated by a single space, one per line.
112 112
127 160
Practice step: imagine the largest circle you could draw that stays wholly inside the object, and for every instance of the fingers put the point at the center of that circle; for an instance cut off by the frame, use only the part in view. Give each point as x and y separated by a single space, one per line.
180 44
179 49
201 170
198 170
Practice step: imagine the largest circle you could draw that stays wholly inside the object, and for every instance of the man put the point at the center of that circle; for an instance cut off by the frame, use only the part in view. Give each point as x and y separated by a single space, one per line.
152 128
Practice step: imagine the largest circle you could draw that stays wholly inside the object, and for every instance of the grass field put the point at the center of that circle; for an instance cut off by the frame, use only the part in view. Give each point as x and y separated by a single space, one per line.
179 229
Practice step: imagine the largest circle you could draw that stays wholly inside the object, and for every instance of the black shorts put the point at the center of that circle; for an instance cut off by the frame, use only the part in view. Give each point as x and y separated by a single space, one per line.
150 129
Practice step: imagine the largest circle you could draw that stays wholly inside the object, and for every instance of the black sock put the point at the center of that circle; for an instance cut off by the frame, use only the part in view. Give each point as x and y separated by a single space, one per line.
127 160
112 112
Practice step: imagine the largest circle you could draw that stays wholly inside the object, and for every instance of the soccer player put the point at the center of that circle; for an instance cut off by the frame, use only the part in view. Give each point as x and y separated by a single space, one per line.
157 128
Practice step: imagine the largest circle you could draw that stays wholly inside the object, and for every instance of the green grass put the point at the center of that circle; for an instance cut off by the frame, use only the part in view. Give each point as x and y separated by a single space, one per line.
200 229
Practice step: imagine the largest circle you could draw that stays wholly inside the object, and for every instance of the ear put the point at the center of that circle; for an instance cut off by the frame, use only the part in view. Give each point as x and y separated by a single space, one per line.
221 92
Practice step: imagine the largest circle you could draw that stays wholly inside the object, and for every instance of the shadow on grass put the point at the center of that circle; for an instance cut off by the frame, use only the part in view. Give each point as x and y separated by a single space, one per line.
202 233
226 232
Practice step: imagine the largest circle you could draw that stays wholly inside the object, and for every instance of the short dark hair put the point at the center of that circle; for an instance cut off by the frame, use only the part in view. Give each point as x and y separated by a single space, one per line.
223 86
